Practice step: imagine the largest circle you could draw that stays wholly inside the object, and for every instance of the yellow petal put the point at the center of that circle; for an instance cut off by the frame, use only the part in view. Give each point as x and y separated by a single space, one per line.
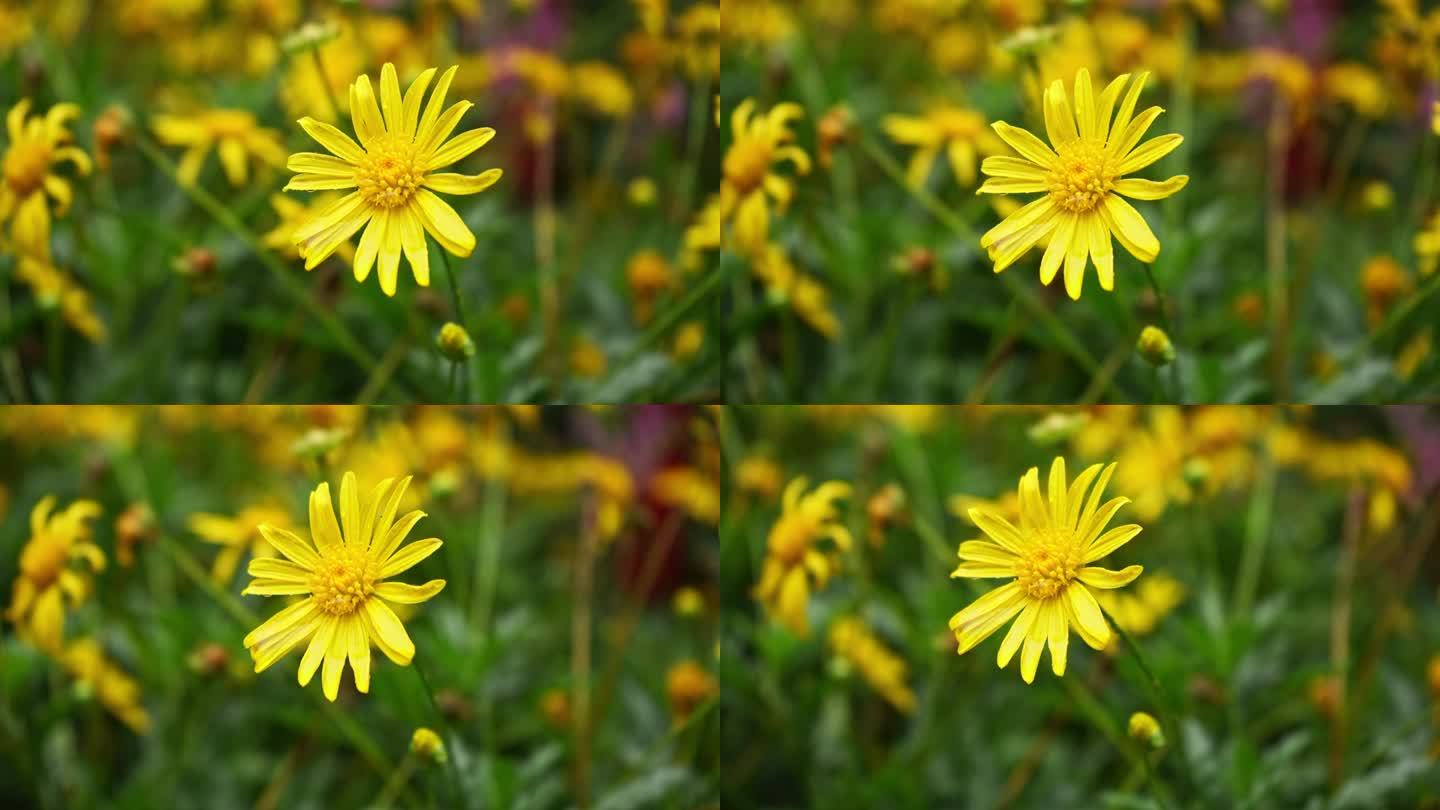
1018 631
335 654
385 629
1075 256
1102 251
316 163
1056 495
385 514
275 587
350 510
1012 167
1139 189
370 244
1109 541
448 183
411 111
390 102
319 182
1106 579
323 526
1076 496
417 250
1088 619
794 602
1150 151
435 105
441 221
1130 228
315 653
1059 244
998 529
1123 142
396 534
1127 109
1058 636
405 594
409 556
290 545
1059 120
979 625
333 139
272 568
1029 146
460 147
442 128
981 551
358 646
232 160
280 622
1085 113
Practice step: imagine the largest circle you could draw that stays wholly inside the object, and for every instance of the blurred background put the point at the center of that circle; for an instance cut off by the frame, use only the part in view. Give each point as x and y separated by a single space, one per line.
1287 612
582 286
569 661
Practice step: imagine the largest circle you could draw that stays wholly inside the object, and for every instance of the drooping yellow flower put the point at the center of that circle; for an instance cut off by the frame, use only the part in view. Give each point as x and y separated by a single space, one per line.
960 132
806 296
1048 556
119 693
749 182
392 171
238 535
54 287
37 145
1083 182
234 134
343 578
879 666
47 577
793 559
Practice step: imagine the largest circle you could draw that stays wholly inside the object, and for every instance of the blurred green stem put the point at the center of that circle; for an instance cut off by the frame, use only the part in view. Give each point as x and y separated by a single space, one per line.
1277 283
325 82
1058 330
454 287
1157 698
1257 535
227 218
441 726
56 351
397 781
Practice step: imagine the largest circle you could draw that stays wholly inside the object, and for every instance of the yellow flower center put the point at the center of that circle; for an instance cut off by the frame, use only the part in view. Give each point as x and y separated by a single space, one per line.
43 559
1048 564
1082 177
390 174
746 164
790 539
342 581
26 164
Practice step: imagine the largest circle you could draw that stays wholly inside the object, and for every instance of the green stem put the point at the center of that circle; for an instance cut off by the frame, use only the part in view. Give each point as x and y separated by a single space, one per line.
398 778
1157 693
325 82
227 218
1257 535
442 726
454 287
1027 298
672 317
57 355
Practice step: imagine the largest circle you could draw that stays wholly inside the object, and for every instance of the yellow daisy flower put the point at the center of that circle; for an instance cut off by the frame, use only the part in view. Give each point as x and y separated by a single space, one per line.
342 576
237 535
793 559
1083 181
1049 557
391 171
958 131
234 134
37 145
47 578
760 143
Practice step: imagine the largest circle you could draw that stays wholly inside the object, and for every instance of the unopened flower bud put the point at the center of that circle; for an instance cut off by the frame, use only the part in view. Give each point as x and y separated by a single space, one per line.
455 343
427 744
1154 345
1145 729
309 36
